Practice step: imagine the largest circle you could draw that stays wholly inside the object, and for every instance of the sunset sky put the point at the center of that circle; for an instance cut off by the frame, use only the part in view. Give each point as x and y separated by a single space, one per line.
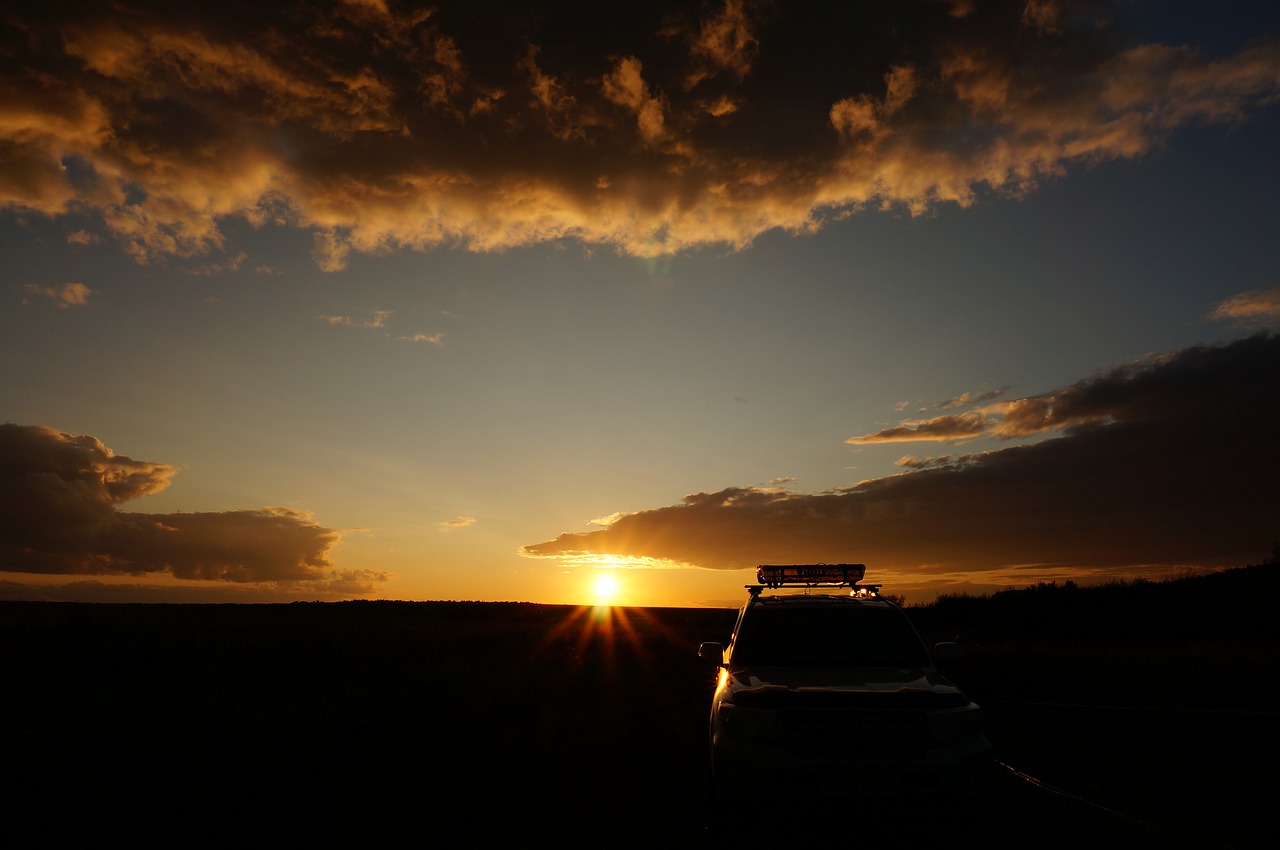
481 300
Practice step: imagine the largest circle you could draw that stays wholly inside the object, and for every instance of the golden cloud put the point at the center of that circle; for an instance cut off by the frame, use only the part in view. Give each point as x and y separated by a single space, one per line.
376 128
725 42
961 426
1259 305
65 296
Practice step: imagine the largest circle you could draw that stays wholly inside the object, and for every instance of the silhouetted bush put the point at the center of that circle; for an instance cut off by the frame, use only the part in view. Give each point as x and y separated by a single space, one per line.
1234 603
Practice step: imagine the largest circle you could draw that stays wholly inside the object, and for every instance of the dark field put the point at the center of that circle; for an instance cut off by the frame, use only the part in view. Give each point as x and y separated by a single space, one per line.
390 723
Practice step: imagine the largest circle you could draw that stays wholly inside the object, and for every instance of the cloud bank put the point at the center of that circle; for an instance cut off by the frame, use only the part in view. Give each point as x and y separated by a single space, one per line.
1159 465
59 498
646 128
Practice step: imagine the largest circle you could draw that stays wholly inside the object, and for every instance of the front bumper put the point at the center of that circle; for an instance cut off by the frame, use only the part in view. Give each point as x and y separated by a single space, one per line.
742 768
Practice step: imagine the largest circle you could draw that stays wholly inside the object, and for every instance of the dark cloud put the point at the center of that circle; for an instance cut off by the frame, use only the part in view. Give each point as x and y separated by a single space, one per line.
646 127
58 514
1166 464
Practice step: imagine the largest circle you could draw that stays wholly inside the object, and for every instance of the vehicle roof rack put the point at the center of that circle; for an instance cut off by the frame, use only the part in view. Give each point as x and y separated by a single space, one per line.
775 576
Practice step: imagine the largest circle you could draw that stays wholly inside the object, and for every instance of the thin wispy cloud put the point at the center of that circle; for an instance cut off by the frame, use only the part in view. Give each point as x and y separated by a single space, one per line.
457 522
430 339
1150 467
374 126
912 462
963 426
376 320
1261 306
83 237
967 399
64 297
229 265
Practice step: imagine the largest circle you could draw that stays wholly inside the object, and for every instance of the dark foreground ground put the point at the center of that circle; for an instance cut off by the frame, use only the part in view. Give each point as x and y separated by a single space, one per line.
390 723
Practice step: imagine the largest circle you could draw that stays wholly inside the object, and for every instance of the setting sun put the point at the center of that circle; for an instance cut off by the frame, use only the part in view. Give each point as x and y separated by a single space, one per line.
606 588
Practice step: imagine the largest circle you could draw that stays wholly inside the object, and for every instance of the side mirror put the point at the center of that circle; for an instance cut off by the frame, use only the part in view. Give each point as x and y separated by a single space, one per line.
711 651
947 652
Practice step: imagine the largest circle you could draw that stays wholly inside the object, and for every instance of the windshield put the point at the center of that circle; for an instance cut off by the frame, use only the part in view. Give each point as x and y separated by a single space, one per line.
822 637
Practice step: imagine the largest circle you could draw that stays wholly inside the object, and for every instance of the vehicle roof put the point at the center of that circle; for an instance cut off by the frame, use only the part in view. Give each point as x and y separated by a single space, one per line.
816 599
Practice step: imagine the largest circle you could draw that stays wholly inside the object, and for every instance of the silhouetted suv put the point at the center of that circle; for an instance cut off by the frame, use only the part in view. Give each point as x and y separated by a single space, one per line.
833 693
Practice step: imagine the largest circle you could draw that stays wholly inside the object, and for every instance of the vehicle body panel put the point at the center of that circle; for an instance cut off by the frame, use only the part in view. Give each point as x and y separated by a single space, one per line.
837 728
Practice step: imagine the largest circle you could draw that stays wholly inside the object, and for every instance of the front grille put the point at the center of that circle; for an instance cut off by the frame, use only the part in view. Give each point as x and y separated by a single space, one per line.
855 732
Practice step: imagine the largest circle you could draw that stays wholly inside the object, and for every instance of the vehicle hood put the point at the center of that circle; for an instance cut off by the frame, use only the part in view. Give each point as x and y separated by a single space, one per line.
801 680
